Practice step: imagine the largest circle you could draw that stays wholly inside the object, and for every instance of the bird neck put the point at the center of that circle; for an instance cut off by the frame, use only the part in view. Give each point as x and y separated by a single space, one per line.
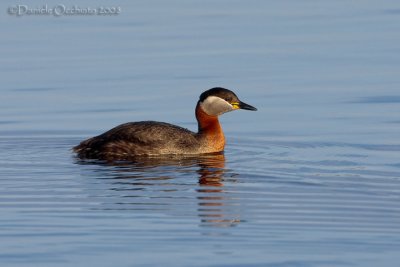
210 130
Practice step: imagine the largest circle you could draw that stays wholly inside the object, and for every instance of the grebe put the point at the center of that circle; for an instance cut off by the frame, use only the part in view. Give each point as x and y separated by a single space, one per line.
158 138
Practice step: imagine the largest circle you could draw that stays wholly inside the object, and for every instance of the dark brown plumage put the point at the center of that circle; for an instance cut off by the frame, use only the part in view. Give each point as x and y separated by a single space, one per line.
142 138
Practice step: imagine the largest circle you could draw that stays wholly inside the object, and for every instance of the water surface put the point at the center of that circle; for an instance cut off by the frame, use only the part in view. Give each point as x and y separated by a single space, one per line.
310 179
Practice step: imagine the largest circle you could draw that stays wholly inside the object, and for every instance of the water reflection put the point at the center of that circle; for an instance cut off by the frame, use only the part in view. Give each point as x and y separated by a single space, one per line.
215 202
167 184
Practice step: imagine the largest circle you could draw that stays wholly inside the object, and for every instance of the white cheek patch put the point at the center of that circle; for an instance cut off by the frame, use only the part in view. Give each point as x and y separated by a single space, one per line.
215 106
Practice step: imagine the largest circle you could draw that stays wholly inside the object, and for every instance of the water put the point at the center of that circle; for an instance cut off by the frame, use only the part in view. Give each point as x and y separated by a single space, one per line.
310 179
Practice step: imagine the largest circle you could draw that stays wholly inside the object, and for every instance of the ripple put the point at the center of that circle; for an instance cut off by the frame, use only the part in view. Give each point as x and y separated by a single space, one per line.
276 194
387 99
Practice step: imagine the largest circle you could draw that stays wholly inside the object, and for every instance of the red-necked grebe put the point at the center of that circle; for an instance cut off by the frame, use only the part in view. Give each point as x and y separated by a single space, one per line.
158 138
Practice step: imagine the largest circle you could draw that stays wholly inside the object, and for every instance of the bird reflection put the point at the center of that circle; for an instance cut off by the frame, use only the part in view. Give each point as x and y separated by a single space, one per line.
156 182
215 205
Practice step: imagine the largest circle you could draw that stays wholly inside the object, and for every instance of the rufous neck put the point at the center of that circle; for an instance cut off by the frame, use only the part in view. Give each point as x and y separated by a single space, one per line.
207 123
210 131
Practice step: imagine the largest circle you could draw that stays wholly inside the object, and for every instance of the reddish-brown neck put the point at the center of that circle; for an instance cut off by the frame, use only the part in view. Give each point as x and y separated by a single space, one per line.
210 130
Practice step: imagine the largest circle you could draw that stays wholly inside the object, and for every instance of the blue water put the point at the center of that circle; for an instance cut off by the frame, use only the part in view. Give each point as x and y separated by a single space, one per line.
310 179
